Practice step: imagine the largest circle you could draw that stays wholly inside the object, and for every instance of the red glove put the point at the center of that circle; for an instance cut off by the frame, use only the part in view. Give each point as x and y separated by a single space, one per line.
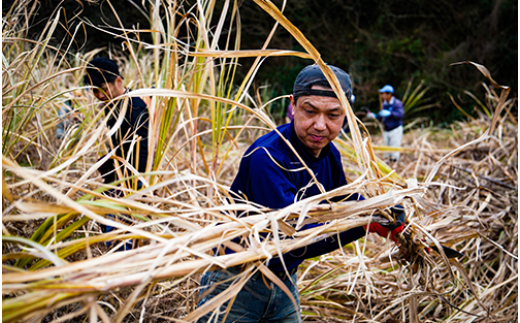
390 230
385 232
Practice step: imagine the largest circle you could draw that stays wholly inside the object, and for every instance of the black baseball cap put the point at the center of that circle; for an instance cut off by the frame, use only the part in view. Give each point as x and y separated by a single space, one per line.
312 75
101 70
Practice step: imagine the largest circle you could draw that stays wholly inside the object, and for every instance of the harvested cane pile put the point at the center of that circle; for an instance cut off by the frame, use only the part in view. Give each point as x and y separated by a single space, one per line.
459 188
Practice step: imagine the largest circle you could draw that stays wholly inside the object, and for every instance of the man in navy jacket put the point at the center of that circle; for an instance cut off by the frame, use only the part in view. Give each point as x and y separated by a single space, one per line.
130 140
103 74
392 116
271 175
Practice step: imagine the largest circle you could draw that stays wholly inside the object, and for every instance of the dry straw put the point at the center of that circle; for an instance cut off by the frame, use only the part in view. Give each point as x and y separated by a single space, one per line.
458 185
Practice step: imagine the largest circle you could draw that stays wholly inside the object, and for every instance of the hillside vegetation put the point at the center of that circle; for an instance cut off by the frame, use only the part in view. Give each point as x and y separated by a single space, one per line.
458 184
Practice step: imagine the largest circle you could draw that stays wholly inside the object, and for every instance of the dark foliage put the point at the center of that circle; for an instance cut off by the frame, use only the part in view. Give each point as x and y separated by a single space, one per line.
393 41
74 13
377 42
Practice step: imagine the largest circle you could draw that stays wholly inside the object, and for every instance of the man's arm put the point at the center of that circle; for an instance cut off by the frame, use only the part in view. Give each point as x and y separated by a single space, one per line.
332 243
293 258
327 245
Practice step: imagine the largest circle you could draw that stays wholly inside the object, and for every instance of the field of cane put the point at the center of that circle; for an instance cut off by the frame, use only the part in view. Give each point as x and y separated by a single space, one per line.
458 185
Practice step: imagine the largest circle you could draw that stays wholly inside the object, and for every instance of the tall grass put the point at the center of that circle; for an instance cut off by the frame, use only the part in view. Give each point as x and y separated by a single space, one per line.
56 266
414 100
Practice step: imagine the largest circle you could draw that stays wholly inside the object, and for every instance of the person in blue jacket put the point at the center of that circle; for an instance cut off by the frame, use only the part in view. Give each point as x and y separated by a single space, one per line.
271 175
392 117
103 74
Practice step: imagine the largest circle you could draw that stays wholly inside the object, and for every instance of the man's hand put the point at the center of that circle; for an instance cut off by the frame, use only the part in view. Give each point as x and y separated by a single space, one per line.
392 229
384 113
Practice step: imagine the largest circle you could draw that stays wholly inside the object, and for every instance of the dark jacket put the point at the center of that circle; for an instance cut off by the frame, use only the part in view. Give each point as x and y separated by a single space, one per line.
135 122
396 114
261 181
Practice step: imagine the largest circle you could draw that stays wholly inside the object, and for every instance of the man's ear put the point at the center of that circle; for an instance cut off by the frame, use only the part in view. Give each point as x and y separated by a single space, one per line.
291 97
119 81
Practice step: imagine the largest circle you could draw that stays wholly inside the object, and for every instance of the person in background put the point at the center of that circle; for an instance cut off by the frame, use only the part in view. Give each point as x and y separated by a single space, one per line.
131 138
391 115
69 117
270 174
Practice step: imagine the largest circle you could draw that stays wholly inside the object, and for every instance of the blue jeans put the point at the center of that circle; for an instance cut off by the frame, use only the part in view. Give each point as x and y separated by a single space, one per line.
128 245
256 302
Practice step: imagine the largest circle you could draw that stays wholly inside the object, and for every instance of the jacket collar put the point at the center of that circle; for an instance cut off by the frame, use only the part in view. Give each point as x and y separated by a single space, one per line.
392 100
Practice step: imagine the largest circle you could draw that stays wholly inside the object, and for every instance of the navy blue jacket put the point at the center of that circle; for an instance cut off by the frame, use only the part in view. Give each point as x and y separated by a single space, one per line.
395 106
262 181
135 121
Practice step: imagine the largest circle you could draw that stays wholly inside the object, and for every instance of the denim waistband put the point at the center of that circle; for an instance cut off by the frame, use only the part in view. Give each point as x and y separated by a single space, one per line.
283 274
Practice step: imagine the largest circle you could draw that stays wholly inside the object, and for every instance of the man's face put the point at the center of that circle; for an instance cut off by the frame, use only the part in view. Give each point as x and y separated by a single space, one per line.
108 91
386 96
317 120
